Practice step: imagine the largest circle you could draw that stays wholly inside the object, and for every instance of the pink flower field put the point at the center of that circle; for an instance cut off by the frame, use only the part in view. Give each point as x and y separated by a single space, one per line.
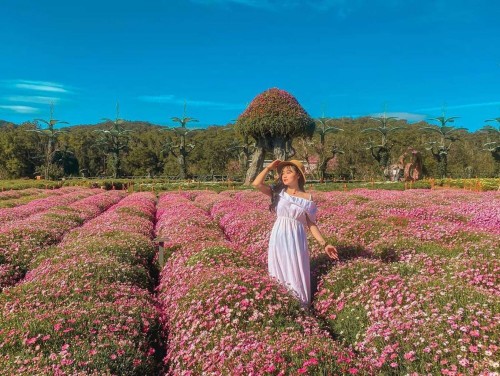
416 290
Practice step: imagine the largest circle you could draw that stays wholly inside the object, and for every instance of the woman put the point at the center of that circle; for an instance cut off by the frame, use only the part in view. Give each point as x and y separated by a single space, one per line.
288 255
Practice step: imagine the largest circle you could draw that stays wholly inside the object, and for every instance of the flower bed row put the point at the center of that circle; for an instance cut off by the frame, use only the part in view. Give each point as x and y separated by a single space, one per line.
11 203
22 240
246 221
407 317
222 314
456 263
396 226
85 307
10 195
9 199
387 225
61 196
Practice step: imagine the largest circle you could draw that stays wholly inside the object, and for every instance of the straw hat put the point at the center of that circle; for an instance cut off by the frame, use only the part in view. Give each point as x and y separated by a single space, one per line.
293 162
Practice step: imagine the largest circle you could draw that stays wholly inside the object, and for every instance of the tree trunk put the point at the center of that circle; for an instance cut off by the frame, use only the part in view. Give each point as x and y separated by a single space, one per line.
279 148
496 154
257 161
181 159
441 157
48 157
322 166
496 157
289 150
384 157
443 165
116 164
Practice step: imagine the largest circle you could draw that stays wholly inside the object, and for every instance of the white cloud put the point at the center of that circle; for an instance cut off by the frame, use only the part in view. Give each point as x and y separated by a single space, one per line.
172 99
343 7
37 86
33 99
20 109
469 105
264 4
412 117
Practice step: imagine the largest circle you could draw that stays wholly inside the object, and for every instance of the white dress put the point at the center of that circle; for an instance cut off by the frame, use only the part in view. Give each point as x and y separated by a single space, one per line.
288 253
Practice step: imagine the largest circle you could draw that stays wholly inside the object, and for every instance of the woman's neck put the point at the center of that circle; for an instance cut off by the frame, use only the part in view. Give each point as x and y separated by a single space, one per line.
292 189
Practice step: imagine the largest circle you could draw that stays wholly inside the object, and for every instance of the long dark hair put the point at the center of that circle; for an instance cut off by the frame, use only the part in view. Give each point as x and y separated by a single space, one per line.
278 187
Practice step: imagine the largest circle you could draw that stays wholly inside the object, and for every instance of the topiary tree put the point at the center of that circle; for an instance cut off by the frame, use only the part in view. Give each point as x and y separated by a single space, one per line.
114 140
273 118
382 152
440 149
181 149
50 135
244 149
493 146
324 127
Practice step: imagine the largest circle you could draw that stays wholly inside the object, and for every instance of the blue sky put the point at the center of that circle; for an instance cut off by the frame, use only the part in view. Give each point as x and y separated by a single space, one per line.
411 59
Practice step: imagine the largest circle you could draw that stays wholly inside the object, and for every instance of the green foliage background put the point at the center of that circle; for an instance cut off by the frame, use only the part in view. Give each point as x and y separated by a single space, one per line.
21 152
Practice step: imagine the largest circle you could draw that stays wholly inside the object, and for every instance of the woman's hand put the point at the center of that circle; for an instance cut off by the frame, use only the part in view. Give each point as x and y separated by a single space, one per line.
331 251
274 164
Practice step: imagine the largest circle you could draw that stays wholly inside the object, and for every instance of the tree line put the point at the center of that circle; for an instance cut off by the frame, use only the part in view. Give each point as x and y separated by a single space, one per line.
146 150
341 148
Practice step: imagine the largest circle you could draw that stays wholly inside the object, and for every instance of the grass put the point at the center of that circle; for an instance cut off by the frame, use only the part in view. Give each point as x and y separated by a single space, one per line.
163 184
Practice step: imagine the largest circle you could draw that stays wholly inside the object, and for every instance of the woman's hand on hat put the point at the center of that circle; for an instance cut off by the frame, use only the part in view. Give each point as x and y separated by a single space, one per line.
274 164
331 251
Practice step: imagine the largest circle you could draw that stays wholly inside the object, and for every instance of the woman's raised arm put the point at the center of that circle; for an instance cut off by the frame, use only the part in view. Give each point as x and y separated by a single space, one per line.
259 180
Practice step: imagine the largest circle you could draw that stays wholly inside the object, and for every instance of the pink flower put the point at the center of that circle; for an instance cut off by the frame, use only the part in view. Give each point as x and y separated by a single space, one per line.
310 362
31 341
463 362
67 362
473 349
136 362
410 356
474 333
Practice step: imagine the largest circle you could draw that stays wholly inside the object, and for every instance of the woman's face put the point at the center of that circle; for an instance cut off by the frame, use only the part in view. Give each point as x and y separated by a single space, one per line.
289 176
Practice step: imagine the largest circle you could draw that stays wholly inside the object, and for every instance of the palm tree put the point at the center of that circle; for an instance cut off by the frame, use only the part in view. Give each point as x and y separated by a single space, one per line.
440 149
115 140
381 152
323 128
493 146
183 148
50 134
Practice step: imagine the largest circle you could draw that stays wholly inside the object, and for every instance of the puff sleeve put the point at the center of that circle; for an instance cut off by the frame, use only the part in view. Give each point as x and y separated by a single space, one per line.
311 212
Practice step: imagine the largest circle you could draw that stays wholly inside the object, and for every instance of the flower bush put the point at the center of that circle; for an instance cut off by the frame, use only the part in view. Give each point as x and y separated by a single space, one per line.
223 314
416 291
410 317
21 240
61 196
426 256
10 199
431 280
275 112
84 308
